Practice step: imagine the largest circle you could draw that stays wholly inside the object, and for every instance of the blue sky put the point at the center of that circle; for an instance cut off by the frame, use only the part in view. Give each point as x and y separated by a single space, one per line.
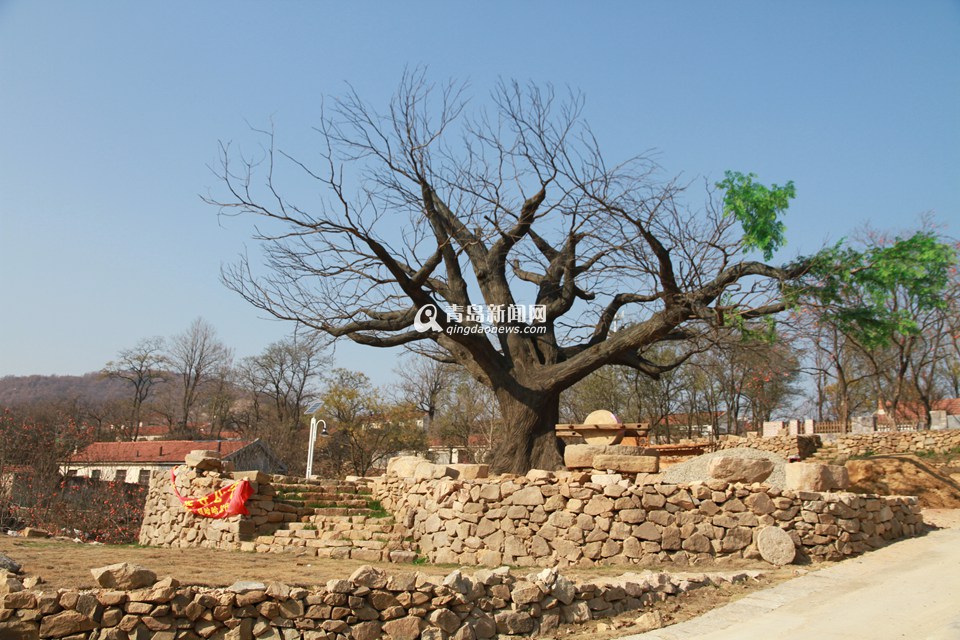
111 113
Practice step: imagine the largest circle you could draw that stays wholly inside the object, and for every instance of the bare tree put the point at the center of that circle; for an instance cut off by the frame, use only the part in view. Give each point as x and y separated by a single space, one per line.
195 356
427 207
423 384
468 417
284 375
364 429
142 366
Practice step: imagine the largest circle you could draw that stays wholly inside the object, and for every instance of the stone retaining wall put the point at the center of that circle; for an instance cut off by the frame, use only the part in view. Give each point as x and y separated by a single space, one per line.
887 442
577 518
167 524
368 606
280 518
784 446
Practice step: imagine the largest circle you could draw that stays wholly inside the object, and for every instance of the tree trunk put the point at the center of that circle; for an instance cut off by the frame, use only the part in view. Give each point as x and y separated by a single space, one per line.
528 440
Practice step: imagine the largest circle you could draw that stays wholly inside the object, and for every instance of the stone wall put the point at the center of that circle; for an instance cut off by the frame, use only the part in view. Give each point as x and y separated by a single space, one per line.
167 524
785 446
367 606
887 442
322 518
575 518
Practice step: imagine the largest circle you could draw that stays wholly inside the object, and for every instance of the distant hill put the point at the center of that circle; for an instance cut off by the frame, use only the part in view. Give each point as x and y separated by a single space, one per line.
17 391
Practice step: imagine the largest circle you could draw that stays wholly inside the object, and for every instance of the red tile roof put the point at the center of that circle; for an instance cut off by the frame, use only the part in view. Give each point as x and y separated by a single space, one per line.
910 411
950 405
162 430
156 451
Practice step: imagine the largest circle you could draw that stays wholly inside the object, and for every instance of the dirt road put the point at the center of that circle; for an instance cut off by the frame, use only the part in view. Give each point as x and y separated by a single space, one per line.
910 589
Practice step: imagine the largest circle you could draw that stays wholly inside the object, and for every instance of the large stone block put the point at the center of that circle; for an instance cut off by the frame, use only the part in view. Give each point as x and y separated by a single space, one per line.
252 476
203 460
580 456
426 470
470 471
627 464
736 469
123 575
809 476
404 466
837 477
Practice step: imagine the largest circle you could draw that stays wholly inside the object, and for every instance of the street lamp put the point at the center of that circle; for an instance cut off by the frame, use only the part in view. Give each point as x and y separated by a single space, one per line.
311 411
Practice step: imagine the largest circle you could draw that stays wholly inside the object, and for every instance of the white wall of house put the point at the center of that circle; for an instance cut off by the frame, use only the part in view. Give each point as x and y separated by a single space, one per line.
130 473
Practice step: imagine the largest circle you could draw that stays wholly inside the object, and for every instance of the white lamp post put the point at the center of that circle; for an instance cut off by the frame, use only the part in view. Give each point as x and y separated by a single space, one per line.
312 411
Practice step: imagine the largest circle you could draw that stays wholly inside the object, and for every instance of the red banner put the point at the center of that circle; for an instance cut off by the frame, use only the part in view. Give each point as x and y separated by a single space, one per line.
222 503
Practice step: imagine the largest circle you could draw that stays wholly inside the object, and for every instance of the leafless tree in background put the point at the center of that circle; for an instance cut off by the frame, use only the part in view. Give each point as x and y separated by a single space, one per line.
142 366
195 356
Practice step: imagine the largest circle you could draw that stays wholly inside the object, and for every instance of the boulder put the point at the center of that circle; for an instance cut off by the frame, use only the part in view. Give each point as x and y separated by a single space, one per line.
470 471
528 497
838 477
124 576
9 583
9 564
406 628
648 622
65 623
736 469
514 622
203 460
810 476
367 576
404 466
627 464
540 474
776 546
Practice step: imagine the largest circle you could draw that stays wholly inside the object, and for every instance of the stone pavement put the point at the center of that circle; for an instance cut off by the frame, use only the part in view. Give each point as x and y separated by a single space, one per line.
910 589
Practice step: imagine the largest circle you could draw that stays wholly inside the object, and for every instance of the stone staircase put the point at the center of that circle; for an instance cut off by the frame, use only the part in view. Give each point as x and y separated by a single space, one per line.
826 454
330 519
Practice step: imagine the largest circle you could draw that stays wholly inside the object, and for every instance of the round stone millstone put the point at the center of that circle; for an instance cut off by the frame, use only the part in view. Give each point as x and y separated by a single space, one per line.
776 546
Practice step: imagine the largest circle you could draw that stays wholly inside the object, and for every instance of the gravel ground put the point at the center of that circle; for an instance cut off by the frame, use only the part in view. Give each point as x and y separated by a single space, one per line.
696 470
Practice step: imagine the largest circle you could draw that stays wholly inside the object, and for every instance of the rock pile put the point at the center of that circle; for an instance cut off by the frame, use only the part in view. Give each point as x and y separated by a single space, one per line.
367 606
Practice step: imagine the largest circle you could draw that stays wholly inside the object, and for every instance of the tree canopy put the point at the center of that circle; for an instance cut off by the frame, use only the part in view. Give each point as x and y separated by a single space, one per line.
476 212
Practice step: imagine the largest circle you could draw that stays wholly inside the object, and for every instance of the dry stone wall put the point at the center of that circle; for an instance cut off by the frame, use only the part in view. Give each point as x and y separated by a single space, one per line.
167 524
309 517
575 518
541 519
887 442
784 446
369 605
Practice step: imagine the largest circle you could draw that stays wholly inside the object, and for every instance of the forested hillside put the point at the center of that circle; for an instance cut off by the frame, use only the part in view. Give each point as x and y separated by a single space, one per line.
94 388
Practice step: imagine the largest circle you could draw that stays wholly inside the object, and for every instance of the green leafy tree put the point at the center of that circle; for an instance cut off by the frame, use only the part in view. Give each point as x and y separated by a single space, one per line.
758 208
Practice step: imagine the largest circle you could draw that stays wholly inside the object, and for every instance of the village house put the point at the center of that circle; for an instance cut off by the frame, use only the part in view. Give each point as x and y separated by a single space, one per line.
134 462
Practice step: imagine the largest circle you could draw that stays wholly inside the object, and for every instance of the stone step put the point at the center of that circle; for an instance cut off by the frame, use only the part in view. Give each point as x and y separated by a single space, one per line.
373 526
321 488
323 504
341 511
